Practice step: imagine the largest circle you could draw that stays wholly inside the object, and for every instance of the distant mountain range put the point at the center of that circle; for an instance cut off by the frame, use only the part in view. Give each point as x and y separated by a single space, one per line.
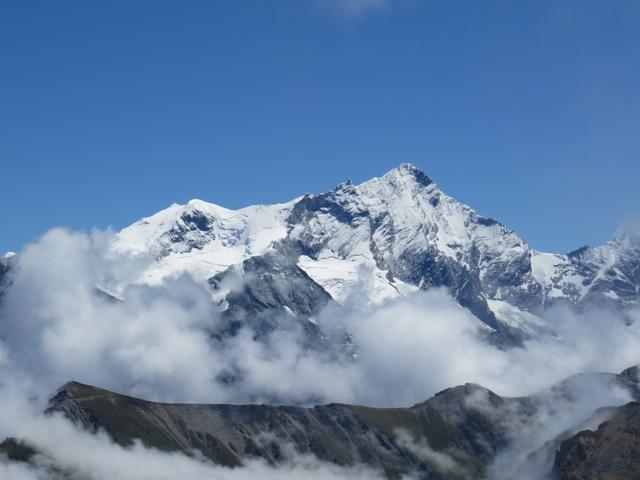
387 237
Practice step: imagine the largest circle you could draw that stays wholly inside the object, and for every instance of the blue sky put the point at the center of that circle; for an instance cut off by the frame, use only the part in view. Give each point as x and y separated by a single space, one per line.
529 111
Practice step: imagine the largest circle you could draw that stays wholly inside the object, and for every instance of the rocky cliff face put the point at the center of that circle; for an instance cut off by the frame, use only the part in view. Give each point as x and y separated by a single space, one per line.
610 452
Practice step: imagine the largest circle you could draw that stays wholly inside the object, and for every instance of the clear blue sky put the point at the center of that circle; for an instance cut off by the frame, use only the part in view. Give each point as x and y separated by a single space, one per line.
529 111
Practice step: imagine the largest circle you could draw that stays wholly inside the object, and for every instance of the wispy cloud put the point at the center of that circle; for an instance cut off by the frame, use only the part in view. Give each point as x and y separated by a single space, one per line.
358 8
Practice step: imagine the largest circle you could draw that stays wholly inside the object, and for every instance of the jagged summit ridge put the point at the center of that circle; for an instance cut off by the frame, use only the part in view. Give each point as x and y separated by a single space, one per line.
404 234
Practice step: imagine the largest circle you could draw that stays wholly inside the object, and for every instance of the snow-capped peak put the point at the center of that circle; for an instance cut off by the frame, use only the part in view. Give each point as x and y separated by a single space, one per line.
408 171
395 233
203 238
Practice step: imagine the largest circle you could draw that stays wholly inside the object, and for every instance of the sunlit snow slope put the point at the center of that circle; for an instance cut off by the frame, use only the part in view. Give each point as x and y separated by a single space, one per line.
384 238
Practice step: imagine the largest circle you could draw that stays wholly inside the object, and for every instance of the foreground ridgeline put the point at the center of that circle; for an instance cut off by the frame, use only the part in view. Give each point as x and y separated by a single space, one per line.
460 433
610 451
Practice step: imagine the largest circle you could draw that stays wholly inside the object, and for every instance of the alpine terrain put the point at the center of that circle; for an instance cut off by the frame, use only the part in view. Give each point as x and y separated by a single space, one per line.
274 269
383 238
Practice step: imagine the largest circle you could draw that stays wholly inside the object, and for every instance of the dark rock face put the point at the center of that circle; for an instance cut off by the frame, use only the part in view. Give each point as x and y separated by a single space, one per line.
17 451
431 269
612 452
5 265
275 293
193 230
4 270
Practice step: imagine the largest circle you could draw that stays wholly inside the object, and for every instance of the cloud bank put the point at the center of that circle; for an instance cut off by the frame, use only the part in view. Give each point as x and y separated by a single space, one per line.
58 324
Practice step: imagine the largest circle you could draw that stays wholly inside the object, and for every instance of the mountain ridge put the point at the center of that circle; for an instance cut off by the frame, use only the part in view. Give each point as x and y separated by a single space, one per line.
384 238
406 235
459 433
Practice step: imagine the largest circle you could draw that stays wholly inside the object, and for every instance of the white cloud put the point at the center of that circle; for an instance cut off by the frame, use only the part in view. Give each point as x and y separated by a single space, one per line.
156 344
421 449
356 8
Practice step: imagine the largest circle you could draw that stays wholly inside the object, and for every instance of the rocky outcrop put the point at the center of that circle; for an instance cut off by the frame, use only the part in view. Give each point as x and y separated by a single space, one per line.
274 293
610 452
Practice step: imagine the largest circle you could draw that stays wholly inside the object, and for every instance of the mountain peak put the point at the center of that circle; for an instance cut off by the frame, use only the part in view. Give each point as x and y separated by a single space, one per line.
197 205
408 170
401 227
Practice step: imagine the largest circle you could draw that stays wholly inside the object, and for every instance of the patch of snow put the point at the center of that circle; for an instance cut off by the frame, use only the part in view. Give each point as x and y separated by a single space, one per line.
345 278
514 317
611 294
544 266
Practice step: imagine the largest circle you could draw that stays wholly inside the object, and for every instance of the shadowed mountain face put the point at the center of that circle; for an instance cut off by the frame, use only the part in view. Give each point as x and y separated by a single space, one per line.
611 452
457 434
4 268
275 293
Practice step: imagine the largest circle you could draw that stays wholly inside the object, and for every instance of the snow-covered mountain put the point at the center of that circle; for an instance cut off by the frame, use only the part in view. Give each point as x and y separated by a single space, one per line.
203 238
383 238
